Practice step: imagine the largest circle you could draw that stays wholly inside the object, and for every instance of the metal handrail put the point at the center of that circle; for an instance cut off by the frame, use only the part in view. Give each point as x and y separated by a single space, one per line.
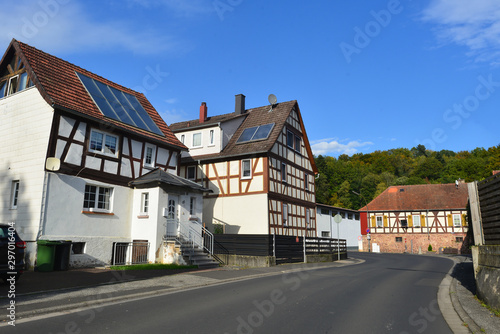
183 232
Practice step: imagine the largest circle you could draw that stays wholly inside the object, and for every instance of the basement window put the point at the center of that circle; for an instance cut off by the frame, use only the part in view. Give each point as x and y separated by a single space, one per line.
399 239
78 248
459 239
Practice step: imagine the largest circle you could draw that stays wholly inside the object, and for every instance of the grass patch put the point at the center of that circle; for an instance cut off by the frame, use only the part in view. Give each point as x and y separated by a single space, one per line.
491 309
152 266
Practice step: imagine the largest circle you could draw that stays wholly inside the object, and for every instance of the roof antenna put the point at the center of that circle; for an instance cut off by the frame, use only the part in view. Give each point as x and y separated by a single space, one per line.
272 100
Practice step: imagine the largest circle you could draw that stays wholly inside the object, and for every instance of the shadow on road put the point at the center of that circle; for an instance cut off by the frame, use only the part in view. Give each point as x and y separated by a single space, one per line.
464 274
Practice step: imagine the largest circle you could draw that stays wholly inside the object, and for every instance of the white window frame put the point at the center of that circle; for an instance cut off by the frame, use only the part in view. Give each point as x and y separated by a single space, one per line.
182 139
104 149
212 137
457 218
246 170
308 218
14 197
290 135
416 221
172 209
306 181
201 141
153 155
193 168
284 214
379 221
9 85
108 201
145 203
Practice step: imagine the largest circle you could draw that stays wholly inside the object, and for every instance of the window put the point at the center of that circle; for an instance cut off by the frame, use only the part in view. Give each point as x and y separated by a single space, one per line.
356 216
103 143
297 143
171 209
349 215
380 222
342 214
14 194
283 172
290 138
78 247
308 218
416 220
399 239
255 133
325 234
246 169
14 83
284 212
191 172
211 137
97 198
306 181
192 205
197 139
144 203
457 220
325 211
404 223
182 139
459 239
149 156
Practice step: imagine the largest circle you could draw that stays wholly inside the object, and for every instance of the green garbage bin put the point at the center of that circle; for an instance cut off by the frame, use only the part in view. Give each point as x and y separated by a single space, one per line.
46 254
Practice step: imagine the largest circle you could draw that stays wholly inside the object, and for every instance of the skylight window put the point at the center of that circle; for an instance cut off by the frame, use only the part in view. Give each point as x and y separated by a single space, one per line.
255 133
118 105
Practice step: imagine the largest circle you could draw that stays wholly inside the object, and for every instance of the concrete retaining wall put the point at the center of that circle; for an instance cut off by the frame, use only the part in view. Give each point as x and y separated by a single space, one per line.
250 261
487 273
325 257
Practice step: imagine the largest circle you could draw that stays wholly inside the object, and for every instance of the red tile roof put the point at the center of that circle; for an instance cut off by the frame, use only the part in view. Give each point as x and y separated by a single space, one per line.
58 83
420 197
253 117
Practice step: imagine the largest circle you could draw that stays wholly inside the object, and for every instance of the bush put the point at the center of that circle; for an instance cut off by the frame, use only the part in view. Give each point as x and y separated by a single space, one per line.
429 248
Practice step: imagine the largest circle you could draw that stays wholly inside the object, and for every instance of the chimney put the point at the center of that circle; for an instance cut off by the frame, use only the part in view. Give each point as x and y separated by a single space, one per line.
239 104
203 112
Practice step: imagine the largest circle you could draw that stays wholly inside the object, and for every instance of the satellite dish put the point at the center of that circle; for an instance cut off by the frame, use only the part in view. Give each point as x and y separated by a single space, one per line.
52 164
272 99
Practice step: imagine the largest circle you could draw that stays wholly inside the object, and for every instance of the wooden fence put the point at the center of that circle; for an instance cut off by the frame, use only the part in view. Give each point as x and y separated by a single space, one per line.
286 249
489 198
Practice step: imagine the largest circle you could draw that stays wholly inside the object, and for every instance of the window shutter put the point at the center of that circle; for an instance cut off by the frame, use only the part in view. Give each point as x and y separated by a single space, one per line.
450 220
422 220
410 221
373 221
464 220
385 221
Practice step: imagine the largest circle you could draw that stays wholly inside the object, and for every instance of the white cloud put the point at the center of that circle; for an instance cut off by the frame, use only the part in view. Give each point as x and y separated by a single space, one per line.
173 116
332 146
67 26
473 24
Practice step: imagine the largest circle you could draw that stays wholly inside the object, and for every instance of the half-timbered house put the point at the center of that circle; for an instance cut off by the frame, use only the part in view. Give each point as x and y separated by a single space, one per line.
259 165
76 151
410 218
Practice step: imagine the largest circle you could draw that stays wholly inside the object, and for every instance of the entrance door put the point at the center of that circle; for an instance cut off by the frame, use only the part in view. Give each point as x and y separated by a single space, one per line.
173 212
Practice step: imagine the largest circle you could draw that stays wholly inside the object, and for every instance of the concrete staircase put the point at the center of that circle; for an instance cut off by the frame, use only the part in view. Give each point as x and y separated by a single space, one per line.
197 257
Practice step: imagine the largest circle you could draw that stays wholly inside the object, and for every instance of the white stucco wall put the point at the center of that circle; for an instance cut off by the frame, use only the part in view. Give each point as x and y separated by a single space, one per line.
348 229
64 219
25 123
206 147
245 214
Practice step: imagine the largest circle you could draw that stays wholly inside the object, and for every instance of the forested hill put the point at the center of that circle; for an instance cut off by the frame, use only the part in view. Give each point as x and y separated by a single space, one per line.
370 174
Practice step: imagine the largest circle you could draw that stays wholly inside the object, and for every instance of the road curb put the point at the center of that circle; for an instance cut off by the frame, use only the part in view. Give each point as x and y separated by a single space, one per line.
446 305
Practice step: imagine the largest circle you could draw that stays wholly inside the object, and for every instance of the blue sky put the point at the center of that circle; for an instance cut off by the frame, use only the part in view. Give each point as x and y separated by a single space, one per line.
368 75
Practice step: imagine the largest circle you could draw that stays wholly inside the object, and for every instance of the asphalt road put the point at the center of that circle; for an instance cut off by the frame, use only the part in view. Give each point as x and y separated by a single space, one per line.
389 293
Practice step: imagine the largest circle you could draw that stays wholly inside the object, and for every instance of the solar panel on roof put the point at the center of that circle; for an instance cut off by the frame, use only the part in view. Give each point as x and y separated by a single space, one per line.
255 133
118 105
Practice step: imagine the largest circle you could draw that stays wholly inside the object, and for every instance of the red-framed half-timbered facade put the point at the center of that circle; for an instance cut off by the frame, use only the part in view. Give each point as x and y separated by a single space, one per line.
410 218
262 172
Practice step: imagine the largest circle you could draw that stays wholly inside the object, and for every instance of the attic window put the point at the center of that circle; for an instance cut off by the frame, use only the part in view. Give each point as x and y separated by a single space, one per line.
255 133
15 79
401 190
118 105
